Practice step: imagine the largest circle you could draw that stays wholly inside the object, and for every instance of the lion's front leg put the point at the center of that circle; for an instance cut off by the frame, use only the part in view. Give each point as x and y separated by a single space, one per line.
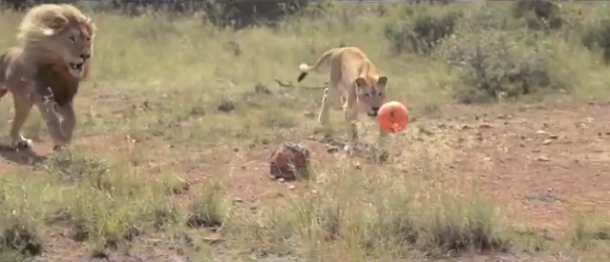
68 121
23 106
46 104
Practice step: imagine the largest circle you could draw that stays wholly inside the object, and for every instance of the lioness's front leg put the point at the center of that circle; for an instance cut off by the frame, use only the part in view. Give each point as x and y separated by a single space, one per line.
351 118
382 136
23 106
46 104
323 117
350 110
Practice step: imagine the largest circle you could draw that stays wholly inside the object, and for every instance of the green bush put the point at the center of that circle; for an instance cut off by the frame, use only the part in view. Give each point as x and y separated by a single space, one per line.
21 5
234 14
597 35
420 30
493 64
243 14
538 14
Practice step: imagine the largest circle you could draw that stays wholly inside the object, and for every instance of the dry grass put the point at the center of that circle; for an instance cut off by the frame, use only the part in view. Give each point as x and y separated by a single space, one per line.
169 159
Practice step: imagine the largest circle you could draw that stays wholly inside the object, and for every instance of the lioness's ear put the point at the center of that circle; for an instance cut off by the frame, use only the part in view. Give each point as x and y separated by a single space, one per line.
360 82
382 81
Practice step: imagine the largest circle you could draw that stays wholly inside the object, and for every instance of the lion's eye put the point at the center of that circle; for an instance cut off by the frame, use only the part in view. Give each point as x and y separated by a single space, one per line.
72 38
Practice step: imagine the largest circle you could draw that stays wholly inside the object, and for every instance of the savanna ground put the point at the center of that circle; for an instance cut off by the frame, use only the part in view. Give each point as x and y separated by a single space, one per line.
507 153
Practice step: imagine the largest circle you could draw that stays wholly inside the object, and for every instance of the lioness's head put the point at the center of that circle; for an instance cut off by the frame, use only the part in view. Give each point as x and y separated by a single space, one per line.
371 92
58 33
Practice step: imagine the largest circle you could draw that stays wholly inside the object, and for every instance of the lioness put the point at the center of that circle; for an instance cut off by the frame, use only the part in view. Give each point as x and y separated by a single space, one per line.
46 69
354 82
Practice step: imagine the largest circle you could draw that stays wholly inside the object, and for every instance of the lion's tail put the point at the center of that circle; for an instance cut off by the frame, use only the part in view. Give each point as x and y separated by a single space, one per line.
3 73
305 69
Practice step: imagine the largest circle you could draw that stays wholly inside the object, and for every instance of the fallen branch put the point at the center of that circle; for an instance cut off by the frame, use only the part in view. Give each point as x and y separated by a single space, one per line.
291 85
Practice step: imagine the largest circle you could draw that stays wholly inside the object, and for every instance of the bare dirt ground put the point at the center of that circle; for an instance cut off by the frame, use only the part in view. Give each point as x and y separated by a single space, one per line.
541 164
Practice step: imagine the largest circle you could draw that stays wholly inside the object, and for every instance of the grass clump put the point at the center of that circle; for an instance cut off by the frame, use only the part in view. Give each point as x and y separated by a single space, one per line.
458 226
21 219
393 223
589 231
208 207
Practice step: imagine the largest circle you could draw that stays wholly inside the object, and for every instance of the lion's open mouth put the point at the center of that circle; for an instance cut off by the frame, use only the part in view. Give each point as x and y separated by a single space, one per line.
77 66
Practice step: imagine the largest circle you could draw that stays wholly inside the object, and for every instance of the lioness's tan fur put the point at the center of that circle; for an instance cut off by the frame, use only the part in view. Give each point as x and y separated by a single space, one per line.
53 57
354 81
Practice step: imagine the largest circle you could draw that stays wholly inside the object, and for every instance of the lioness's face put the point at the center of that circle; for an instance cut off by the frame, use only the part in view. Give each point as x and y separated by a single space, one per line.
371 94
76 44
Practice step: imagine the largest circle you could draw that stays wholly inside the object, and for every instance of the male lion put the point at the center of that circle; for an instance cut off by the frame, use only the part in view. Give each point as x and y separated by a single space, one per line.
354 82
46 69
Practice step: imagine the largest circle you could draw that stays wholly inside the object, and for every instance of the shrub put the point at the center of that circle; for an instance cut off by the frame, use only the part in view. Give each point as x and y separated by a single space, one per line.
538 14
137 7
496 65
597 35
242 14
220 13
21 5
420 30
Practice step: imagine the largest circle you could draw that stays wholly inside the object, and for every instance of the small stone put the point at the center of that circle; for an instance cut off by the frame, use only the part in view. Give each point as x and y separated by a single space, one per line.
333 149
212 239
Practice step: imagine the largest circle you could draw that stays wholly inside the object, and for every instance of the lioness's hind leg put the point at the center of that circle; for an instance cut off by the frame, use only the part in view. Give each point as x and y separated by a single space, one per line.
23 107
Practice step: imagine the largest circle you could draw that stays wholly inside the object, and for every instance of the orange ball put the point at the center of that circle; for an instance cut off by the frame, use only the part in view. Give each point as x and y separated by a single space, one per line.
393 117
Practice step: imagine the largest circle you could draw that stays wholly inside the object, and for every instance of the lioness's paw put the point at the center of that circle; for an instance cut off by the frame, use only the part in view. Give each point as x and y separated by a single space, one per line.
323 130
58 148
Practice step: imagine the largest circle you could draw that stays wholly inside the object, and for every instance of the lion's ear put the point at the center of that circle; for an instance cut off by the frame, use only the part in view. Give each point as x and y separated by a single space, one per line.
90 25
55 25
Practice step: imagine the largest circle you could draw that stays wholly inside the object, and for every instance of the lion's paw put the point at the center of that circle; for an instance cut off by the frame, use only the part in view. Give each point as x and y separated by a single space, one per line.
23 144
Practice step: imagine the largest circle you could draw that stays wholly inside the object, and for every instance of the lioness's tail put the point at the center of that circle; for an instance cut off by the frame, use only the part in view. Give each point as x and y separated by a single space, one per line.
305 69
